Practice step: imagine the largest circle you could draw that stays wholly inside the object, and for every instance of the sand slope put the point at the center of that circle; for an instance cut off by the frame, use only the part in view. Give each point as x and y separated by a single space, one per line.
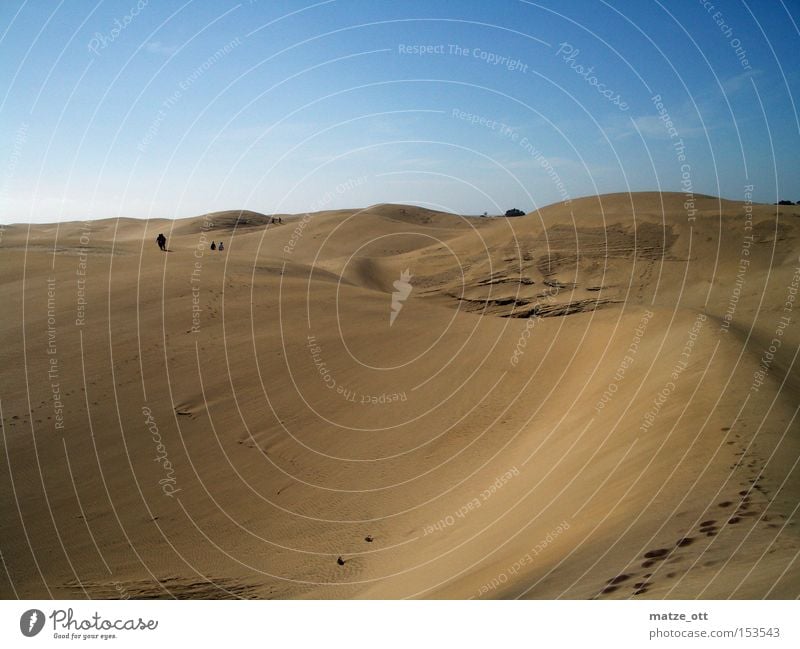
572 404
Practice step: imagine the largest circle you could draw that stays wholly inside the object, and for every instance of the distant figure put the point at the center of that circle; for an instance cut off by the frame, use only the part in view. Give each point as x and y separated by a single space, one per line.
213 246
161 240
221 246
340 561
279 220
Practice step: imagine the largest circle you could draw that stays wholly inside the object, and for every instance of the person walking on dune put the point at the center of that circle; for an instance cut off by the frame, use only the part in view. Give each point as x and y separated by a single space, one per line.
161 240
213 246
221 246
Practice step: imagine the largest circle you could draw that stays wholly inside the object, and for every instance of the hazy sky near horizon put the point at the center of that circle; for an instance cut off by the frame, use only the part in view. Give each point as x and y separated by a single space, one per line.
170 109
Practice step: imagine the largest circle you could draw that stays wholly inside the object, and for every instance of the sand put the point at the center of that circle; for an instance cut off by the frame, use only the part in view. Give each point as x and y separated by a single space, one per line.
576 403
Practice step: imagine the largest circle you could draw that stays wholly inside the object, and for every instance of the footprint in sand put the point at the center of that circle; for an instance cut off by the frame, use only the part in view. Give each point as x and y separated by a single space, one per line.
612 584
686 540
709 528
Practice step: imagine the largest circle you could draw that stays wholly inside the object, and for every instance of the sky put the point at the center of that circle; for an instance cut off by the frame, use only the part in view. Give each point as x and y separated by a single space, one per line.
168 109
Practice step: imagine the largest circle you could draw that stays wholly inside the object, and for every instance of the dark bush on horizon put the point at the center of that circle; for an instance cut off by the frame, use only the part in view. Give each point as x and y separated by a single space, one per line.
515 212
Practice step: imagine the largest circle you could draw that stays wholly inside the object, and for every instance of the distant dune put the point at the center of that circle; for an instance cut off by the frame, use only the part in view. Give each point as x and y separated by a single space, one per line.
595 400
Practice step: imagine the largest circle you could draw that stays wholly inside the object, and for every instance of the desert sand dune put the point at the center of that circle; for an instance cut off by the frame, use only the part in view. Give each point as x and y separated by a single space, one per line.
571 404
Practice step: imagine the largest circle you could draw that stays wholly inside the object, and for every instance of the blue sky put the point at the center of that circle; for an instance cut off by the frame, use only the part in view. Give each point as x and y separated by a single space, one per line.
171 109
